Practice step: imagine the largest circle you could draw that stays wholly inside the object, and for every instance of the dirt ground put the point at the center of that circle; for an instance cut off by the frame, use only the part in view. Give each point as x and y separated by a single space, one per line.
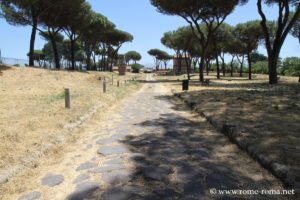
271 113
32 112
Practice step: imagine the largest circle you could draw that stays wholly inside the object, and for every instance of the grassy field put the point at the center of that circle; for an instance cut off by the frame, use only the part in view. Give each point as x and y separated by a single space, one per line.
271 113
32 112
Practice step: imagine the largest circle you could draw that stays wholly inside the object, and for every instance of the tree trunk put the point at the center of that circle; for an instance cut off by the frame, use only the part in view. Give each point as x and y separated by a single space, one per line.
73 53
223 67
218 66
94 64
195 63
201 69
179 63
273 69
188 66
88 60
231 66
55 52
207 67
32 41
250 66
242 64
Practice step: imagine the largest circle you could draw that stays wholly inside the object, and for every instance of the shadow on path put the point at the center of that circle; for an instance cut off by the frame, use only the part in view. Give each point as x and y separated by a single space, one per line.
175 158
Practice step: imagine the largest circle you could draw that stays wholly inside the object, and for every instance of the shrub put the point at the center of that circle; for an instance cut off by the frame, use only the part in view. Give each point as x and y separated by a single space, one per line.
260 67
136 68
291 66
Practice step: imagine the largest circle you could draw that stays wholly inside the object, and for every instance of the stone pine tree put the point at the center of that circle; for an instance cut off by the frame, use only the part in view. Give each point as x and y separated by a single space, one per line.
115 39
296 30
51 22
222 37
288 13
23 13
91 35
249 33
156 54
54 41
171 40
76 17
133 55
211 13
165 58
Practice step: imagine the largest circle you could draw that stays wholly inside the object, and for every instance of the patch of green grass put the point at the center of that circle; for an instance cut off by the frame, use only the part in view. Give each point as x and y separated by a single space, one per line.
56 97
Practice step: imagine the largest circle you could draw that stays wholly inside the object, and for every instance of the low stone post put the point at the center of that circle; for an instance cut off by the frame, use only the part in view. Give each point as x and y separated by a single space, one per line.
67 99
104 86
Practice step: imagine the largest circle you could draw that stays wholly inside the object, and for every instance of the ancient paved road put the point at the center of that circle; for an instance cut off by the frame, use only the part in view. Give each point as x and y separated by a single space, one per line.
151 148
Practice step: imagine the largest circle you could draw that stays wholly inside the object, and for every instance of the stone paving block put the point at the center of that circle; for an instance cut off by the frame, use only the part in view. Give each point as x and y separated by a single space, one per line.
194 188
84 190
31 196
117 176
112 150
52 180
107 168
106 141
220 181
155 173
116 194
80 178
114 161
85 166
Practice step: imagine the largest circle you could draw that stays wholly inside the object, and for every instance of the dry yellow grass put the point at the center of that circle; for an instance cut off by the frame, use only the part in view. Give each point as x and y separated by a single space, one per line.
32 112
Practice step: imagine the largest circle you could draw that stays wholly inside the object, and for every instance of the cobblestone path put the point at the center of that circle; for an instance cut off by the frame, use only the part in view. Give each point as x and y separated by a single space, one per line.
152 148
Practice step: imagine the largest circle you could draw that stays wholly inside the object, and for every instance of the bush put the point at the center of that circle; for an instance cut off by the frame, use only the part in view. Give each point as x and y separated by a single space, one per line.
136 68
291 66
260 67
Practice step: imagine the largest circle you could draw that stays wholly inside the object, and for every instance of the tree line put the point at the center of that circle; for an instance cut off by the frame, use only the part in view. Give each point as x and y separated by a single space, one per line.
210 34
89 34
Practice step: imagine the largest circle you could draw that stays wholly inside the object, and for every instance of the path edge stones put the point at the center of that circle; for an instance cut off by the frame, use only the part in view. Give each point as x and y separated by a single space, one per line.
233 132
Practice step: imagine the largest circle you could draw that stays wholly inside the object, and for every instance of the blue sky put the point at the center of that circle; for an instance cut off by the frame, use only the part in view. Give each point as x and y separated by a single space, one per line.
142 20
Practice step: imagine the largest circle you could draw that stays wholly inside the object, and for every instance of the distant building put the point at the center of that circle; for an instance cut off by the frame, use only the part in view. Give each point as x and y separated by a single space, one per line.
176 65
116 68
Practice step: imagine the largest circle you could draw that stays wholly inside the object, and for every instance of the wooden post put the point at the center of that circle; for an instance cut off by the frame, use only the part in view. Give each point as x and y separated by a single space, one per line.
112 79
67 98
104 87
125 82
118 83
